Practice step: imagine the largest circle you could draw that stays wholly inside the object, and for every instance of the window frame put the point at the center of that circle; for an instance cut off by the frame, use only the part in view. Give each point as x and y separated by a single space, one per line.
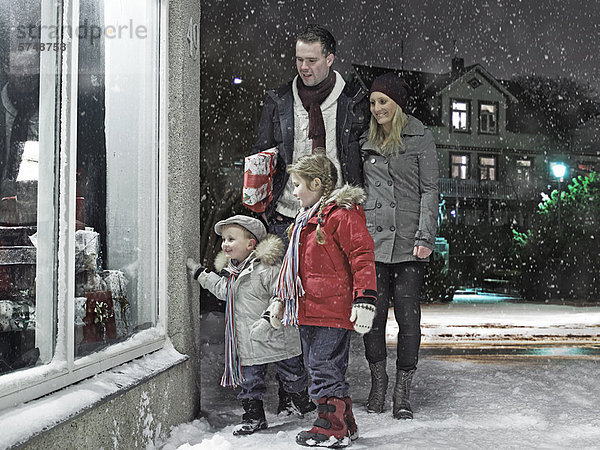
495 115
63 369
467 102
527 169
467 165
481 167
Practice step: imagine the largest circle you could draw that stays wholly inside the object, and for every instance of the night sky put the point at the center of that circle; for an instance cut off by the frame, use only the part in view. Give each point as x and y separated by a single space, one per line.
255 39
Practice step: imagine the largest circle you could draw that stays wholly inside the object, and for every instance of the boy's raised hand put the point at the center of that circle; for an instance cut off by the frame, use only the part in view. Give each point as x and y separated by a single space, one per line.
194 268
363 313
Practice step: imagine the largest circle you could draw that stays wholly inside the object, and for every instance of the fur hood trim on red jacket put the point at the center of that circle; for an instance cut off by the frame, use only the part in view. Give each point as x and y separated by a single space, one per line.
347 196
269 251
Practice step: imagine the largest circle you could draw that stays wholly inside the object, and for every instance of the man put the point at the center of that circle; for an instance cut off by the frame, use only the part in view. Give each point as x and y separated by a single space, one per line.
316 110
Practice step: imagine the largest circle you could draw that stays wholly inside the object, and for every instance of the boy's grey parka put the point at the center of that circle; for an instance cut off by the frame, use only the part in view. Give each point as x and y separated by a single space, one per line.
402 195
254 288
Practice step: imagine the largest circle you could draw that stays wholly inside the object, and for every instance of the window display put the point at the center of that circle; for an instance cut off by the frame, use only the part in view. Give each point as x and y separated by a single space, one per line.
79 183
19 149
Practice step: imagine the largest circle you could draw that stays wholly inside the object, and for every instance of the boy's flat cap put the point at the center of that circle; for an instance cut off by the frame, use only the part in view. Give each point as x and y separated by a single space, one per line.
254 226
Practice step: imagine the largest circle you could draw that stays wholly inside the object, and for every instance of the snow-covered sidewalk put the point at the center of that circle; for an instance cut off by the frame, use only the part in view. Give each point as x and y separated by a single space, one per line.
490 401
505 321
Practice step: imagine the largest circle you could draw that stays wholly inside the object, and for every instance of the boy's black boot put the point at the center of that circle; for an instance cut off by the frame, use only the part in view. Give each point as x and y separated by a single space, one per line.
253 418
285 406
302 402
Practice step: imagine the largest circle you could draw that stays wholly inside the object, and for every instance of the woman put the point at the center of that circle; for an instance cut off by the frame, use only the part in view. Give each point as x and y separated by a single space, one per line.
401 181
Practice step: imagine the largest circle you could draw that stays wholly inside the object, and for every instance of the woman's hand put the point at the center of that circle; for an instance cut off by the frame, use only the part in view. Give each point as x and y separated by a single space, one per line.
421 252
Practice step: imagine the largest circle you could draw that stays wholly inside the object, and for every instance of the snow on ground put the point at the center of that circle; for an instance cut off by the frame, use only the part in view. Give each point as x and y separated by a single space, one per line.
460 401
475 320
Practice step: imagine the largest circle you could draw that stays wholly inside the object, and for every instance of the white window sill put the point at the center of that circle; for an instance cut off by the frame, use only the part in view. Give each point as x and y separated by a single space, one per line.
22 422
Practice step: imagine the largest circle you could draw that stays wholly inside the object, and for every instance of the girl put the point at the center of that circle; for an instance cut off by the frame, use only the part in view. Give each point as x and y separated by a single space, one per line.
401 180
327 283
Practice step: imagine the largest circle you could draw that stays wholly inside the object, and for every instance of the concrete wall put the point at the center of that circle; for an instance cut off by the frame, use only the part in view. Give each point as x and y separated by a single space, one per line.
130 420
139 416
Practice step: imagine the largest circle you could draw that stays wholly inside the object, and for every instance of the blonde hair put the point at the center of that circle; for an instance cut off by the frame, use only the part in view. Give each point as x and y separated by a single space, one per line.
310 168
394 143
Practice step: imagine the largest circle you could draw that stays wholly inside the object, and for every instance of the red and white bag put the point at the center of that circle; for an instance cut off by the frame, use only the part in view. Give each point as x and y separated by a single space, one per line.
258 179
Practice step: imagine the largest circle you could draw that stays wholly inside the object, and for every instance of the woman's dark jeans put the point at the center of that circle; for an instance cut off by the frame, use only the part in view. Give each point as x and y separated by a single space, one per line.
400 284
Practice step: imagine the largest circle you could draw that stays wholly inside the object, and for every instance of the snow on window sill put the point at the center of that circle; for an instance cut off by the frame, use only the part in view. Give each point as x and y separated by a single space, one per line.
22 422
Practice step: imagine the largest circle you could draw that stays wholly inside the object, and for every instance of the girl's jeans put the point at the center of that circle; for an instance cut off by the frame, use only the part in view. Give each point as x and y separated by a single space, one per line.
326 351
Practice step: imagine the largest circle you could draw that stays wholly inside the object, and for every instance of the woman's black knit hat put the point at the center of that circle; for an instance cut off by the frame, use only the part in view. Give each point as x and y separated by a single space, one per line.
394 87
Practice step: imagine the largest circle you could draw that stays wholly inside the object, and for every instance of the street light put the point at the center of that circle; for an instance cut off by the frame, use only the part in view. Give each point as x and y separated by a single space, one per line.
559 170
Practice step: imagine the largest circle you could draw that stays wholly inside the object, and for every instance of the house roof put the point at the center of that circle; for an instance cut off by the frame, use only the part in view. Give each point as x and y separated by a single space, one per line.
426 86
485 74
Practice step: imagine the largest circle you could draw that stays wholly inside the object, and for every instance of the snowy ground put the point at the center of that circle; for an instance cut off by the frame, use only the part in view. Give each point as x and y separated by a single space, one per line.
464 396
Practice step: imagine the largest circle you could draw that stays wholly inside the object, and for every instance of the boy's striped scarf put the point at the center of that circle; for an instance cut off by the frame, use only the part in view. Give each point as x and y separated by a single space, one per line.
232 376
289 287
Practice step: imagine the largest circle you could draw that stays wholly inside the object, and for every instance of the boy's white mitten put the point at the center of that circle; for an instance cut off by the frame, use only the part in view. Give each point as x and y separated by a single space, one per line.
260 329
194 268
363 313
275 311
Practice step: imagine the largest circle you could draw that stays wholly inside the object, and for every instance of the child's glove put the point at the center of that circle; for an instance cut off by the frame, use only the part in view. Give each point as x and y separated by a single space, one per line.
275 311
260 329
363 313
194 268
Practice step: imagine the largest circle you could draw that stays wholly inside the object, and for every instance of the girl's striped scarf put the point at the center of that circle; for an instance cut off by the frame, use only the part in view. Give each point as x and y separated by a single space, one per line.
289 287
232 376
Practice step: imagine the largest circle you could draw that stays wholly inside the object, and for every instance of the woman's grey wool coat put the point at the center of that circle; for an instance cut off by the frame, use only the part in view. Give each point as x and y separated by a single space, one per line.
402 195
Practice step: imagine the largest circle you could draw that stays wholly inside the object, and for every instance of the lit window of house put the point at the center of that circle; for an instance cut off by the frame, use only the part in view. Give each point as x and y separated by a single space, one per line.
460 115
487 167
524 167
488 118
80 279
459 166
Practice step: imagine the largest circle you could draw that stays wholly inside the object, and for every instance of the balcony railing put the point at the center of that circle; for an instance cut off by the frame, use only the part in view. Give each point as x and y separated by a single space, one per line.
454 187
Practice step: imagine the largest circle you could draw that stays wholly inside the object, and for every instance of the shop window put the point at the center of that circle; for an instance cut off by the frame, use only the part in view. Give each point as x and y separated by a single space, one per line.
20 177
459 166
79 190
524 168
116 180
459 112
487 168
488 118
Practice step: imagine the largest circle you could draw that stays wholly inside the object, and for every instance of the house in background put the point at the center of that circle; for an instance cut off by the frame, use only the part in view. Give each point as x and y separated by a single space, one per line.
494 160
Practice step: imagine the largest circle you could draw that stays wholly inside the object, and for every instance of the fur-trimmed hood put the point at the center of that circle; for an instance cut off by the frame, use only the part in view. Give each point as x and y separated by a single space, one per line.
269 251
347 196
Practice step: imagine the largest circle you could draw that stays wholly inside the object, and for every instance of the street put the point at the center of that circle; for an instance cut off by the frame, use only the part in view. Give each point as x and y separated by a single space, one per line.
480 319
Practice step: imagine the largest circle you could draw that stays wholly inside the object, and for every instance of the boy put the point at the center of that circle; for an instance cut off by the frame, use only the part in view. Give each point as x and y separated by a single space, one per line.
248 268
